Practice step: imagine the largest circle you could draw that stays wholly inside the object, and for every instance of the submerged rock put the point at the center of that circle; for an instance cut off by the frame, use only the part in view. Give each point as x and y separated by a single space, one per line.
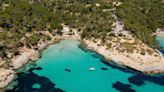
123 87
31 82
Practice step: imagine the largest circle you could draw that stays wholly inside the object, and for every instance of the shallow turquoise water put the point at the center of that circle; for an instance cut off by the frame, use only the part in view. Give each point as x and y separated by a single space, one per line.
37 86
160 39
67 55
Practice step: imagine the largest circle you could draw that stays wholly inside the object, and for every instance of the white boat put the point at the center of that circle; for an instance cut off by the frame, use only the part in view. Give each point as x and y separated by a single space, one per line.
92 68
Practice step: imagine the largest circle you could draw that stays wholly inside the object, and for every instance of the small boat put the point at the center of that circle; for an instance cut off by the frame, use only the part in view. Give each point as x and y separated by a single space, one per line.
92 68
68 70
103 68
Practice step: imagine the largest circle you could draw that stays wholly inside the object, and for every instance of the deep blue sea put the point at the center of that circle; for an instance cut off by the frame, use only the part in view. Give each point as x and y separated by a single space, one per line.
64 67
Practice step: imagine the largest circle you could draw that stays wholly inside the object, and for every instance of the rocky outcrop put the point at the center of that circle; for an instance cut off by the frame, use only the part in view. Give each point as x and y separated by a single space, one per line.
26 55
6 76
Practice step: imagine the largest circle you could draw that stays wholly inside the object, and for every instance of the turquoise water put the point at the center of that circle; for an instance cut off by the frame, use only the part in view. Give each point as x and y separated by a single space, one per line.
36 86
68 55
160 39
65 65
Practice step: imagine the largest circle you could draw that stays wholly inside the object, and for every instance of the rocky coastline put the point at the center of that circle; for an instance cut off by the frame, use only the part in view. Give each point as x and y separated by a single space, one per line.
26 54
150 64
114 56
31 54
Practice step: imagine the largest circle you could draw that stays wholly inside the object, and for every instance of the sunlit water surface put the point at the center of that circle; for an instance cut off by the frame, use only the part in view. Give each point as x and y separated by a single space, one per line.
65 67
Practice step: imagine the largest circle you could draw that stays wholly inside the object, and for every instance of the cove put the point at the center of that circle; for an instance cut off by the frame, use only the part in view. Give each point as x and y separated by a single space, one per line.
64 67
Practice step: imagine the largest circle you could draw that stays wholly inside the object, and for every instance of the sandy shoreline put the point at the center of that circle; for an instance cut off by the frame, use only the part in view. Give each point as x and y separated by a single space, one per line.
128 51
150 64
157 67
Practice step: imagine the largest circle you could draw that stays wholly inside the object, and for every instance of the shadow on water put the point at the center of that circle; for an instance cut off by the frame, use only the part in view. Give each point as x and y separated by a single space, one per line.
106 62
137 77
27 80
121 68
112 64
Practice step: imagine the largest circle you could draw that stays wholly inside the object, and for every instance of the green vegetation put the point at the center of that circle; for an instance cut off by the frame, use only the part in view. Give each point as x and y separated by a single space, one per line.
20 17
93 18
85 15
142 17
